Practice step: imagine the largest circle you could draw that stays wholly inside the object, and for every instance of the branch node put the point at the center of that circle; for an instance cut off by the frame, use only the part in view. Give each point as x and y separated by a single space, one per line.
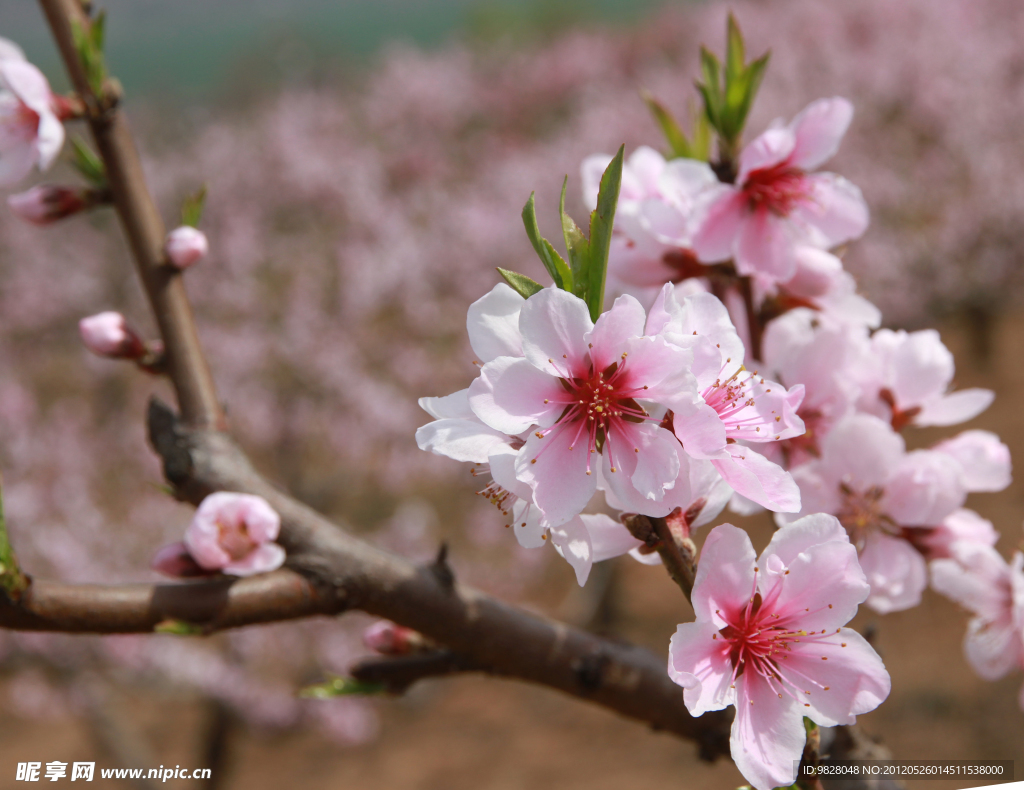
590 669
441 570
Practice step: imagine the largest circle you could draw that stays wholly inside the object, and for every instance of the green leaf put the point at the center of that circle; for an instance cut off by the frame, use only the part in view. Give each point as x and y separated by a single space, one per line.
711 87
678 145
97 30
178 628
577 247
735 50
192 208
753 76
340 687
601 222
557 268
520 283
88 163
701 145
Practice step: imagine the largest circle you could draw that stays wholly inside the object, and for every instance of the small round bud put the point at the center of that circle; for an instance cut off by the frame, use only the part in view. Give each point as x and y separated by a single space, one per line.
389 638
185 246
108 335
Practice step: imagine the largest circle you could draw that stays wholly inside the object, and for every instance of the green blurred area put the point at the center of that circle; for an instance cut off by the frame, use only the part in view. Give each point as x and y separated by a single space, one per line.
193 49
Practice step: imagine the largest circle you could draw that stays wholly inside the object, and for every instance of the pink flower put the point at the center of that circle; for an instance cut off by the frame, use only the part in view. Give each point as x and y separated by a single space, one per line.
30 132
47 203
108 335
185 246
233 533
577 389
984 459
960 526
730 404
651 241
798 349
769 639
866 478
981 581
777 204
905 379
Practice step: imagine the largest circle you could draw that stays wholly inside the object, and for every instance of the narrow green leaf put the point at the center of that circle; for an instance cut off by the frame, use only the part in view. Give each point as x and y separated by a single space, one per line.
89 45
711 87
88 163
601 222
98 29
735 51
12 580
178 628
678 145
192 208
520 283
701 145
557 268
577 247
339 687
754 75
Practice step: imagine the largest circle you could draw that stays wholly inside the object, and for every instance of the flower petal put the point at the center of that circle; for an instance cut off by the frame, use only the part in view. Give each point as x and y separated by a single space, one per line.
765 246
608 537
956 407
836 210
614 327
454 406
755 477
262 559
800 535
856 678
493 324
772 147
896 572
461 440
572 540
717 219
818 129
557 473
554 325
646 459
698 660
768 734
510 395
725 575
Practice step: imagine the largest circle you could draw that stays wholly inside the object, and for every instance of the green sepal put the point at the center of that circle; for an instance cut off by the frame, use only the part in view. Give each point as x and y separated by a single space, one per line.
178 628
557 268
809 725
520 283
577 247
601 222
192 208
337 686
88 163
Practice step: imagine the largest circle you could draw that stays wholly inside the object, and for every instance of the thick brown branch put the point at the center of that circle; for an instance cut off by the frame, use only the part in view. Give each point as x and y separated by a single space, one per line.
193 383
134 608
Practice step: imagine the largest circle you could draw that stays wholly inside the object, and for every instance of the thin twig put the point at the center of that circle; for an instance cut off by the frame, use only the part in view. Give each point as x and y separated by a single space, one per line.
140 218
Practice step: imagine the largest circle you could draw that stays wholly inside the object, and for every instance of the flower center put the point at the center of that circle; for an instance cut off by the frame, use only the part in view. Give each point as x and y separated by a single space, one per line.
862 514
234 539
596 406
733 400
777 188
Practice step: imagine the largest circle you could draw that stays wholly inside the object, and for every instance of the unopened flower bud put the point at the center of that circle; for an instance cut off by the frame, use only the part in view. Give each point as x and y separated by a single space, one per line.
185 246
108 335
48 203
174 560
390 639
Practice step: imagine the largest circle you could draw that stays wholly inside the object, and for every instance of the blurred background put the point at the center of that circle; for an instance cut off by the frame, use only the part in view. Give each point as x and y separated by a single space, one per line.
367 163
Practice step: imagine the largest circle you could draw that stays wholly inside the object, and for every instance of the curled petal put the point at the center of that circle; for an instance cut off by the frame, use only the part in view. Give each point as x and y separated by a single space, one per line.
758 479
699 662
493 324
572 540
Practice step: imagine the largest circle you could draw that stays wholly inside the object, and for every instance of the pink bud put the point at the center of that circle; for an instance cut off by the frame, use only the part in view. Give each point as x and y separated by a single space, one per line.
234 534
389 638
185 246
108 335
174 560
48 203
